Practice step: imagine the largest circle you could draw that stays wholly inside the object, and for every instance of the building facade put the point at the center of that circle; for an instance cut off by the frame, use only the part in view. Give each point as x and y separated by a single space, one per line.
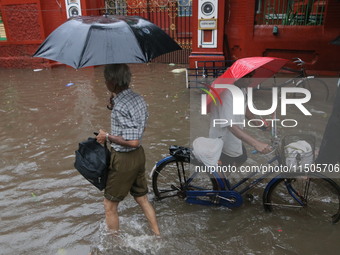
26 23
287 29
210 29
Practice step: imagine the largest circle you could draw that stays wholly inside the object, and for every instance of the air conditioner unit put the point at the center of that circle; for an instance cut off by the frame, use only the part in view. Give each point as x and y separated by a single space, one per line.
73 8
207 9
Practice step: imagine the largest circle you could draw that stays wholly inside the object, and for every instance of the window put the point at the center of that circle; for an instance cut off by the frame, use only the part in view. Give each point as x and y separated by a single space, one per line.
116 7
290 12
184 8
2 30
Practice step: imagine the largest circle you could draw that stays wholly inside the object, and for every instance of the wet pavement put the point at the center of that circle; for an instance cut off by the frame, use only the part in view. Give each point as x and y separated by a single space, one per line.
46 207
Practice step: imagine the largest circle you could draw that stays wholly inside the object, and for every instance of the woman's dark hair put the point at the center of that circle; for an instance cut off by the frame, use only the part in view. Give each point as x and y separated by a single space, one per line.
117 75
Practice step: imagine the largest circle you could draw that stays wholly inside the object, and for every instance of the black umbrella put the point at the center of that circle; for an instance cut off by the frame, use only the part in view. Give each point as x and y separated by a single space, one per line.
98 40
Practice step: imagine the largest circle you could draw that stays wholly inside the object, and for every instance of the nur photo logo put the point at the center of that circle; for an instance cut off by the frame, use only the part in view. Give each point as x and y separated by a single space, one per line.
239 104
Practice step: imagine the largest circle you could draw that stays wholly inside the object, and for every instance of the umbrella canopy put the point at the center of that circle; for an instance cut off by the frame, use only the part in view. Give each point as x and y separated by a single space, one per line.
262 68
97 40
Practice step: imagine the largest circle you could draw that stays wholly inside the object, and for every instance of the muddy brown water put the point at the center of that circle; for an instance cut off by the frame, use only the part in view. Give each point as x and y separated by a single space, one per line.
46 207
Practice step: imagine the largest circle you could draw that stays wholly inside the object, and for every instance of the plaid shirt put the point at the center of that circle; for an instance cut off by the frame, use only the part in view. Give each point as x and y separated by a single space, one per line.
128 118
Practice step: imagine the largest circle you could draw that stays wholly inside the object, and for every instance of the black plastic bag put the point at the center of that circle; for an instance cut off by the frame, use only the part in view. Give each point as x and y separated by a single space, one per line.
92 161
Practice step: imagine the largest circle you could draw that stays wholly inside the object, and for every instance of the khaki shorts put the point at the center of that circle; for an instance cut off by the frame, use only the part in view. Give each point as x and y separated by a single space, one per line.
126 173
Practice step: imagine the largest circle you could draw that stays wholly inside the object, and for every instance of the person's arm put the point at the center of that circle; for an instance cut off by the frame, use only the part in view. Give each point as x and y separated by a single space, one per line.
259 146
101 137
249 114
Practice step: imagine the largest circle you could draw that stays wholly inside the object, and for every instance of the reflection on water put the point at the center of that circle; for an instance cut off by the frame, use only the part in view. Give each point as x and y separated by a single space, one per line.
46 207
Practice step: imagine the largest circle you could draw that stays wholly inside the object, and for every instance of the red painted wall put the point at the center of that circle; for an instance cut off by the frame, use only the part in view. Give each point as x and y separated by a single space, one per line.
23 22
54 14
311 43
28 23
20 22
242 38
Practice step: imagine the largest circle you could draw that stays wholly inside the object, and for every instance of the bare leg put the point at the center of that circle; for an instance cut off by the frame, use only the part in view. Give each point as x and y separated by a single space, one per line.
111 214
149 213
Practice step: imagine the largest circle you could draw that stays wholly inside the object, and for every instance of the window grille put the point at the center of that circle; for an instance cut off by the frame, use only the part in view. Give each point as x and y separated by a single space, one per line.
290 12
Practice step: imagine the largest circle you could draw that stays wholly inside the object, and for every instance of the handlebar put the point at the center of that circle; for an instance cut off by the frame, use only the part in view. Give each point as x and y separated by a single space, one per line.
299 61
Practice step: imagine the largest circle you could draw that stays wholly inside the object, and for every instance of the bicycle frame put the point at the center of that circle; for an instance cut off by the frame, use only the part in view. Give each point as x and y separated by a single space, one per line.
226 193
225 190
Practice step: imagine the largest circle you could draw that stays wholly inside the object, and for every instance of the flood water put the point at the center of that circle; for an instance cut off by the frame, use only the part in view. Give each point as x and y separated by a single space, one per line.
47 207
